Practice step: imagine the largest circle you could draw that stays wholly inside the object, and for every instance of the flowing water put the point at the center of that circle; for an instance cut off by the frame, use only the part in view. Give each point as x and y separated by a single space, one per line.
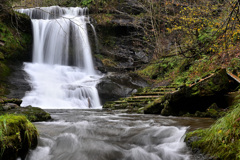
62 73
63 78
108 135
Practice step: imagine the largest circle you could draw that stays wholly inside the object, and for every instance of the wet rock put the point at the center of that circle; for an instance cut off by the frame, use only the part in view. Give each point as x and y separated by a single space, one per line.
5 108
34 114
17 82
9 106
121 38
116 85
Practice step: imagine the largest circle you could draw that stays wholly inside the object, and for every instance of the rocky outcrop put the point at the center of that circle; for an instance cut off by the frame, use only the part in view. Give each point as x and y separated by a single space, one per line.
197 97
15 43
116 85
142 99
122 46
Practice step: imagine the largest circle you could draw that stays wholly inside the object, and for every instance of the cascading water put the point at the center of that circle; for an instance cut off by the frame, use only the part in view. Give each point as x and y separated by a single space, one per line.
62 73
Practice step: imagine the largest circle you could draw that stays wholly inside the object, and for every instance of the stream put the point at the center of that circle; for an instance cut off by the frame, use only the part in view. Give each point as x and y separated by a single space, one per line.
63 81
112 135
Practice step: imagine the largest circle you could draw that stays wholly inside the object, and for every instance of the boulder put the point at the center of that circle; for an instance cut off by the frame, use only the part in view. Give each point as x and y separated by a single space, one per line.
9 106
117 85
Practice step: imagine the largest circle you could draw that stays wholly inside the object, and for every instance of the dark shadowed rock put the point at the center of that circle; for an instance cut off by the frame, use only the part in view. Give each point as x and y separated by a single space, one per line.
116 85
17 82
197 97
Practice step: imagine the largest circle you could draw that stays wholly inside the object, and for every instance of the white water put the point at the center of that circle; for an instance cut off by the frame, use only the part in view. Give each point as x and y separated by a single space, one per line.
97 135
62 73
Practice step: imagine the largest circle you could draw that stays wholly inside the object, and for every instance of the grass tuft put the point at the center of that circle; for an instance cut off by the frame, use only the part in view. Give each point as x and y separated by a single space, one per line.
222 139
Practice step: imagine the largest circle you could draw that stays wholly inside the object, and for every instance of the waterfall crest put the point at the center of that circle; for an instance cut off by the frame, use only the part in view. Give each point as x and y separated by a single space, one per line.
62 73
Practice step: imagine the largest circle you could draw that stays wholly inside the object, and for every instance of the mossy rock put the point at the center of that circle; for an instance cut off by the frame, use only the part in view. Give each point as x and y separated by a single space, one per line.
198 97
34 114
4 100
17 136
216 84
155 107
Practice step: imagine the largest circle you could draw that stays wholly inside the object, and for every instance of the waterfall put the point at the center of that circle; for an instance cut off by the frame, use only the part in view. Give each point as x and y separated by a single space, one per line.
62 73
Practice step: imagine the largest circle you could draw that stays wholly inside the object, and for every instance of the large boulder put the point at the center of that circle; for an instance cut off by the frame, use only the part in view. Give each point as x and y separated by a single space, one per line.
117 85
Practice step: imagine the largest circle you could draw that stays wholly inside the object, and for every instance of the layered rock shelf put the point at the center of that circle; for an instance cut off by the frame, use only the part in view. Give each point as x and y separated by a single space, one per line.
138 101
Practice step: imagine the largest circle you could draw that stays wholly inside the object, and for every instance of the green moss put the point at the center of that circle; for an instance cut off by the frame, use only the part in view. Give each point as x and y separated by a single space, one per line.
17 135
107 62
222 139
33 114
154 107
4 71
103 19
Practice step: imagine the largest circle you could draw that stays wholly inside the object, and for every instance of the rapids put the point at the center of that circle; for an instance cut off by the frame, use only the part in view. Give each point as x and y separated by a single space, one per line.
108 135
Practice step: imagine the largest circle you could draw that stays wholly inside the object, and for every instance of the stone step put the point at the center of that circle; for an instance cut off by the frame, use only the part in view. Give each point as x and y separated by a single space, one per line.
150 93
137 100
142 97
163 89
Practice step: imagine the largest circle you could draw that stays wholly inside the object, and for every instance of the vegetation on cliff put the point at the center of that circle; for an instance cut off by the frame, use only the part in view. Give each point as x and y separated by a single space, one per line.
15 40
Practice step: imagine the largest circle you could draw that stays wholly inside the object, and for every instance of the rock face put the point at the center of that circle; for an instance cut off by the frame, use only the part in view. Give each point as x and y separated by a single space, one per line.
15 44
18 135
116 85
120 33
197 97
17 83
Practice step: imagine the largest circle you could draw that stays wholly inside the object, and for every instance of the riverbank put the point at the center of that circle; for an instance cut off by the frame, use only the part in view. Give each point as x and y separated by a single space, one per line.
221 140
17 134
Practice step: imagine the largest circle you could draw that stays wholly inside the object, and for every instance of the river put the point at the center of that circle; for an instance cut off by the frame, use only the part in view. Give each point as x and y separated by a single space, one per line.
112 135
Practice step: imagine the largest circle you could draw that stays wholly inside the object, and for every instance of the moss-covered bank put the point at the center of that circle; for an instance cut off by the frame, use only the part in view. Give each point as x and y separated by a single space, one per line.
12 106
17 133
15 43
222 139
17 136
